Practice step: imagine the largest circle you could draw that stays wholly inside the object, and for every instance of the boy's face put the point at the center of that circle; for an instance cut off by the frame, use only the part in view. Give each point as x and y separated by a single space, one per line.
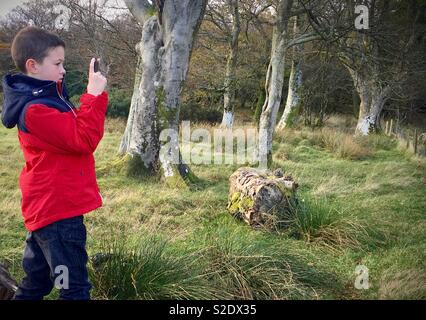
51 68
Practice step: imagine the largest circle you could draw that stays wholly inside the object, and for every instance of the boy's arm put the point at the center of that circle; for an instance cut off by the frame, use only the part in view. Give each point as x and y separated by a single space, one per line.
62 132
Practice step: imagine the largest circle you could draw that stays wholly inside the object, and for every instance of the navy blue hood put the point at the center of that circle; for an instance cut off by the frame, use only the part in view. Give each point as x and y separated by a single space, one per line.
19 89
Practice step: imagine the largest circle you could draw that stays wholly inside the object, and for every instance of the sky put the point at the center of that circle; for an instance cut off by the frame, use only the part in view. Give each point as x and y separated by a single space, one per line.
7 5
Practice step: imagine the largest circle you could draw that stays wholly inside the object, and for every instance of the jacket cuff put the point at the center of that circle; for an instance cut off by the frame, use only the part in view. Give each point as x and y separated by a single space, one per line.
100 101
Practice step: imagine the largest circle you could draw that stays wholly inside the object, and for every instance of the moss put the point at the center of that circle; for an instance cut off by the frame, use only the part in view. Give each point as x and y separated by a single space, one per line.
285 191
259 105
238 203
246 203
182 177
152 11
292 117
129 166
233 205
269 159
135 167
166 115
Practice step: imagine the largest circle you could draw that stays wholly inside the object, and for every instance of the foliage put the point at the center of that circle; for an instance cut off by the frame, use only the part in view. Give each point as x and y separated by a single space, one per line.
119 101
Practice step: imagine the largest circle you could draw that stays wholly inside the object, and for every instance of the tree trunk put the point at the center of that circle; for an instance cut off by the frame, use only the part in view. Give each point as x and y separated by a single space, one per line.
274 81
152 130
372 99
258 197
231 66
294 85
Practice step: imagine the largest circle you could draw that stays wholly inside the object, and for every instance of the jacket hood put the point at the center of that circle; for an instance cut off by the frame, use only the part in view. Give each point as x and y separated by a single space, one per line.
19 89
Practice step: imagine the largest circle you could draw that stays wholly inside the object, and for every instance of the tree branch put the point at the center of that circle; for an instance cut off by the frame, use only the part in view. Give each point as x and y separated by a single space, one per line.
140 9
303 39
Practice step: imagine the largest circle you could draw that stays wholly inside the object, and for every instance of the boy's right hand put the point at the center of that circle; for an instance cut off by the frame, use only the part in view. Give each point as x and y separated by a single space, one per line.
97 82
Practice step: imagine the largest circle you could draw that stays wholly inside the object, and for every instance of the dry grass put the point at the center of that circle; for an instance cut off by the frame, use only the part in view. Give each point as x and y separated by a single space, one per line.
343 145
408 284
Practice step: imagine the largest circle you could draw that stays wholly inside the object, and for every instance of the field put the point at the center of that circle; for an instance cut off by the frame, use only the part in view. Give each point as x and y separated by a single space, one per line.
363 203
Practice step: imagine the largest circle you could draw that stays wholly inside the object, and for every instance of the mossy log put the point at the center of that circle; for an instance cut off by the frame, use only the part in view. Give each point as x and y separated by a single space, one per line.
8 285
255 195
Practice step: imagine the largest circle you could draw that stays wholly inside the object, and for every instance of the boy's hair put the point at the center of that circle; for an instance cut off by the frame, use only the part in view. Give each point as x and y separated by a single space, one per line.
33 43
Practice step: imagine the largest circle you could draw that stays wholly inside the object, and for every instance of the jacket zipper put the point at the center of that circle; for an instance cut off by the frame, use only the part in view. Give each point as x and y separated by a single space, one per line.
63 99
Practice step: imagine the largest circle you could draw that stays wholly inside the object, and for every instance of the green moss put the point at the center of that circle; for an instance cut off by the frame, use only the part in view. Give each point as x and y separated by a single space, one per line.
285 191
181 178
166 115
259 105
238 203
152 11
292 117
129 166
135 167
246 203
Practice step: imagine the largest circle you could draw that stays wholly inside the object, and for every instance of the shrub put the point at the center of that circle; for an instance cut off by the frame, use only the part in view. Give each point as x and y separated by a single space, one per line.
194 112
119 101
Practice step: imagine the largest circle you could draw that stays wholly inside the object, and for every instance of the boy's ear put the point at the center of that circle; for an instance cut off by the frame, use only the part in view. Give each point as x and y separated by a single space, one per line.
31 66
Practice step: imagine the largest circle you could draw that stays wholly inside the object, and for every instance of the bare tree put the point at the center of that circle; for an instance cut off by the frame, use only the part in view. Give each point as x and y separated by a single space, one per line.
165 49
294 82
274 78
231 66
376 55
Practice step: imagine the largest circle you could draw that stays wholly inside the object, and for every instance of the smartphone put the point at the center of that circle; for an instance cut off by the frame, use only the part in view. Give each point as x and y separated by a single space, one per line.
96 65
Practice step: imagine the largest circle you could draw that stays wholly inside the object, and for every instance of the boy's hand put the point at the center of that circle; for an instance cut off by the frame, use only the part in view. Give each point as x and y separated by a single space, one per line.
97 82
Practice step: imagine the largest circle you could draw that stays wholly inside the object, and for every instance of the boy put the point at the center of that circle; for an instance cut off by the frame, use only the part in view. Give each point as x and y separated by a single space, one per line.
58 182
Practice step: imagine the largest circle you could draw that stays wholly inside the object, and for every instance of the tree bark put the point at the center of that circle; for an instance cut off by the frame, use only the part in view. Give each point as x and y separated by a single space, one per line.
165 49
274 80
294 84
258 197
372 99
231 66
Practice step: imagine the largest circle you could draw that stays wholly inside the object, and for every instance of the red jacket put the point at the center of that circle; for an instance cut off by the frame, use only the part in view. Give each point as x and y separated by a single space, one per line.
58 180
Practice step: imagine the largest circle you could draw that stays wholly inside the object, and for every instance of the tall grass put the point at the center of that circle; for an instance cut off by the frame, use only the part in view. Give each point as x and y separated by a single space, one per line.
342 145
145 270
345 146
221 260
316 221
245 267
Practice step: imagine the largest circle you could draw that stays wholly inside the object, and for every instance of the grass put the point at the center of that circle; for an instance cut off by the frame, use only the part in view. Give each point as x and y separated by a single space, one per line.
315 221
365 204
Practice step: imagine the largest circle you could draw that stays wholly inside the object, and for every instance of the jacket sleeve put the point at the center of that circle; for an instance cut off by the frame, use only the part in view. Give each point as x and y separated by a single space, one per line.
62 132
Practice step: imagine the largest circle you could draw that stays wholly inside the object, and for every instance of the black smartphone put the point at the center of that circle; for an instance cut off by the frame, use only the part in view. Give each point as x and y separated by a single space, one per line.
96 65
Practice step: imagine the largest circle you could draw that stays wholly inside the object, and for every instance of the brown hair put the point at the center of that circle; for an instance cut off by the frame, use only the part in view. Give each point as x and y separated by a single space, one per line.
33 43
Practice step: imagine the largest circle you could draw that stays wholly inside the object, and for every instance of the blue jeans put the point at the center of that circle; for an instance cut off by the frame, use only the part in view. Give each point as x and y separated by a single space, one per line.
55 255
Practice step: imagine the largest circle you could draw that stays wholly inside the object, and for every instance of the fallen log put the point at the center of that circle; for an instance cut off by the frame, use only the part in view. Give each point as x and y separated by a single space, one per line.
258 196
8 285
